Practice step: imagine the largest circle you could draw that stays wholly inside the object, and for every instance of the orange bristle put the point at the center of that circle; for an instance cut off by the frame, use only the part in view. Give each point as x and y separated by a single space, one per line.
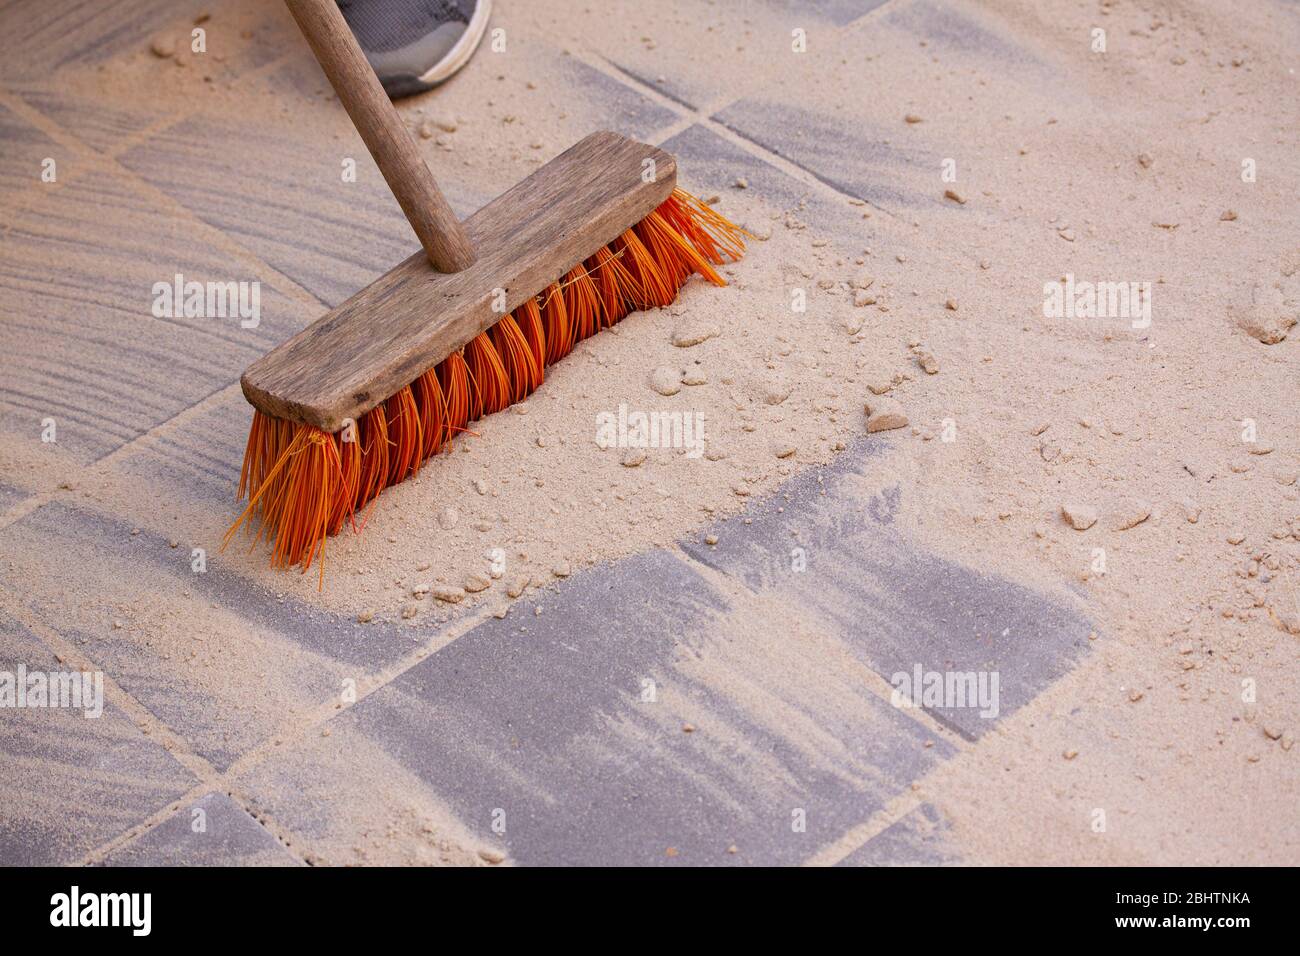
303 484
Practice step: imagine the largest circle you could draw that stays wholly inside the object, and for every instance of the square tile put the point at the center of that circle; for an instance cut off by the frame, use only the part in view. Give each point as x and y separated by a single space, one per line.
70 782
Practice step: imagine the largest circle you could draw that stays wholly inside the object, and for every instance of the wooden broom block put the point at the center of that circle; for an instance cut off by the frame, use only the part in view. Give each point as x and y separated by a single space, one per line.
411 318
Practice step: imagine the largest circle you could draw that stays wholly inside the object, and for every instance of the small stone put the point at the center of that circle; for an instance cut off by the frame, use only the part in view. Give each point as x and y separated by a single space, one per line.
783 449
162 46
491 856
448 518
480 486
1271 731
1191 510
1236 537
477 582
1135 695
693 333
1228 215
688 728
928 362
409 610
1070 754
852 324
666 381
1145 160
448 594
710 539
775 392
911 118
1080 517
632 457
1130 514
950 305
954 196
426 130
1268 317
884 414
1067 235
742 182
517 586
862 298
561 569
695 377
863 281
365 617
1260 449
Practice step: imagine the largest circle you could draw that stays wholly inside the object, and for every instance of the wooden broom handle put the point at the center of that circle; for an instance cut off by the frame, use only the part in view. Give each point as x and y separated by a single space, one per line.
358 88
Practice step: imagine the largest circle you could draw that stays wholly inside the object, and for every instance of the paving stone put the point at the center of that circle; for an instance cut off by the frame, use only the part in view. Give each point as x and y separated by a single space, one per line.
900 607
285 200
25 150
708 163
540 720
919 838
68 782
221 661
864 158
210 831
948 26
82 344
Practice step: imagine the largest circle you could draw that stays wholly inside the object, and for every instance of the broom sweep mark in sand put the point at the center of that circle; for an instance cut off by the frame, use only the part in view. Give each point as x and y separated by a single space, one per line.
1098 300
640 429
208 300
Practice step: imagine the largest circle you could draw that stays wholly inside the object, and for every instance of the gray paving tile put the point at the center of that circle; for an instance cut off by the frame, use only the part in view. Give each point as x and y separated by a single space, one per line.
222 661
285 198
210 831
25 149
863 158
707 163
10 496
945 26
82 345
898 606
68 782
920 838
540 720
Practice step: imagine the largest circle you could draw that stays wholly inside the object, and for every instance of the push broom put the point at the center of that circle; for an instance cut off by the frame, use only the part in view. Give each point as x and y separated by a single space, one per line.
359 399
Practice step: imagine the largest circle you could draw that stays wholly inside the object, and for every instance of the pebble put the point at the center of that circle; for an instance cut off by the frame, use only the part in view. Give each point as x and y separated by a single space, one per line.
950 305
783 449
409 610
1236 537
1130 514
1228 215
1145 160
561 569
1191 510
693 333
480 486
448 518
863 298
448 594
954 196
517 586
666 381
695 378
928 362
365 617
1080 517
491 856
710 539
775 392
632 457
163 46
884 414
852 324
477 582
742 182
863 281
911 118
1070 754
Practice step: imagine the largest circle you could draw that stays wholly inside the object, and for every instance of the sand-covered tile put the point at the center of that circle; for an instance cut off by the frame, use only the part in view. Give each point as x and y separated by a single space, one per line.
71 777
637 716
222 661
210 831
29 160
919 838
967 645
96 339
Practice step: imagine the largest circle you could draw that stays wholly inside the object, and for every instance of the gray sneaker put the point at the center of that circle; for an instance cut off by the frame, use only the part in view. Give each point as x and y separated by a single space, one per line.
416 44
